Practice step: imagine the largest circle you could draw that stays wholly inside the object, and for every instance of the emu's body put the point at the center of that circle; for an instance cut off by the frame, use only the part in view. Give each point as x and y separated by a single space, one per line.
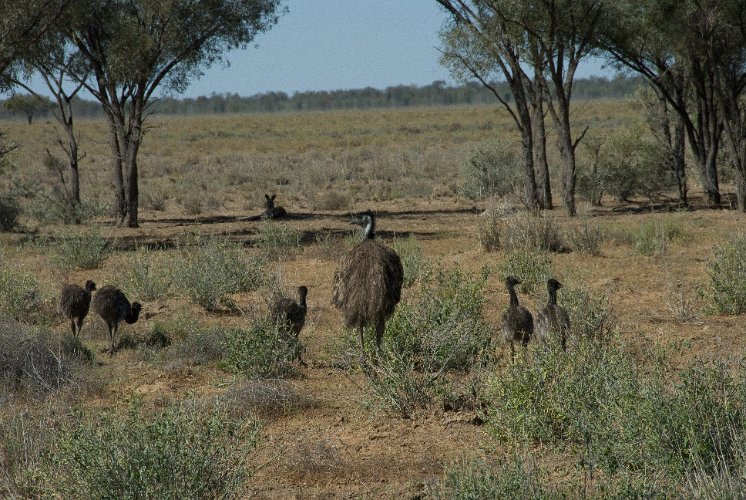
553 319
113 307
74 304
368 282
292 314
273 212
517 322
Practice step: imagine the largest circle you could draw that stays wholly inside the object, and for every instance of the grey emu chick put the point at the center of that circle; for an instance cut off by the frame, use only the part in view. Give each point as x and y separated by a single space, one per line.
553 319
74 304
368 282
517 322
292 316
272 212
113 307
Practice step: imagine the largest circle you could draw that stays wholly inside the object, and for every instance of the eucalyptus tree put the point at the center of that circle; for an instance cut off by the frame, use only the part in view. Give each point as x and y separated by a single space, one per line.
478 44
551 36
133 48
676 46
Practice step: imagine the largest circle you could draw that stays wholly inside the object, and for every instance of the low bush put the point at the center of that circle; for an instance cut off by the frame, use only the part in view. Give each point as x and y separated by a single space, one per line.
265 350
211 270
726 271
492 170
55 208
532 268
20 297
586 238
488 231
591 316
530 232
87 250
277 239
476 479
654 237
410 253
187 450
147 275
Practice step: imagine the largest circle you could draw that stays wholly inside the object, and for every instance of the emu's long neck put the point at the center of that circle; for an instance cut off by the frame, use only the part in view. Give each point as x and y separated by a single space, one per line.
302 301
552 296
370 229
513 295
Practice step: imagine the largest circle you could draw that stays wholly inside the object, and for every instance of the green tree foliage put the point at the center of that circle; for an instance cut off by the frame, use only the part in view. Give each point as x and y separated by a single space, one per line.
28 105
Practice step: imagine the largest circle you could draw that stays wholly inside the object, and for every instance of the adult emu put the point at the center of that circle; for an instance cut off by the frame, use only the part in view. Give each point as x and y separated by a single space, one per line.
113 307
368 282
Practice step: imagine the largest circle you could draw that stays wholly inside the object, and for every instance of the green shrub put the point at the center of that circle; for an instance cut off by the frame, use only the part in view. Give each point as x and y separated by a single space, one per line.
587 238
488 231
187 450
410 253
492 170
532 268
213 269
475 479
654 237
265 350
147 275
727 274
9 212
595 400
533 233
19 293
88 250
55 208
590 314
277 239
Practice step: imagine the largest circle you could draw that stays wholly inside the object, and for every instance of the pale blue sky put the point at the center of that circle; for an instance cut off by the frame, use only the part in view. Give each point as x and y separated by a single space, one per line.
341 44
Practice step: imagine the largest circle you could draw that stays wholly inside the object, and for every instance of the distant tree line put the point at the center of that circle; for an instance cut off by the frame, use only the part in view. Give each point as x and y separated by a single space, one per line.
435 94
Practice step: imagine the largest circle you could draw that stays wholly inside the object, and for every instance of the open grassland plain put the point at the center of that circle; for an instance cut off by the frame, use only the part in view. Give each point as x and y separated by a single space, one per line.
648 400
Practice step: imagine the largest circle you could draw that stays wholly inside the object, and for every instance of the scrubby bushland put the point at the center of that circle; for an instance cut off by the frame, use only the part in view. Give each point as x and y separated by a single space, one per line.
87 250
55 208
147 275
472 479
492 170
726 270
34 362
277 240
442 332
20 296
212 269
186 450
9 212
654 237
596 400
586 238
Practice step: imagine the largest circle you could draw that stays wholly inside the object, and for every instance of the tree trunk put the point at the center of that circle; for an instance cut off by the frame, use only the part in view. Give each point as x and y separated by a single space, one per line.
541 166
679 159
567 154
120 202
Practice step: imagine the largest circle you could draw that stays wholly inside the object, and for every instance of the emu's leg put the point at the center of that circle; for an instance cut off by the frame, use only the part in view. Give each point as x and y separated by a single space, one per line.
72 327
112 335
362 344
563 338
512 352
380 329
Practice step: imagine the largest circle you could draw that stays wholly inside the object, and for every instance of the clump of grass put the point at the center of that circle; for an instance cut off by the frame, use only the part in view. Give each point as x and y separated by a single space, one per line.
211 270
726 270
87 250
488 231
155 198
532 268
332 200
264 350
410 253
587 238
491 170
654 237
187 450
590 314
19 293
527 231
681 302
276 240
326 243
266 396
147 275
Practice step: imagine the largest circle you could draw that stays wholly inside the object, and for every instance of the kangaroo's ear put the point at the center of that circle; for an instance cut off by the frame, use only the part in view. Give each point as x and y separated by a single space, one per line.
273 197
267 196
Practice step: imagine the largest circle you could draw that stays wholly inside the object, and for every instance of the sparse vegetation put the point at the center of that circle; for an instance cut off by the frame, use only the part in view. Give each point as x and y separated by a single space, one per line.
9 212
87 250
654 237
276 240
147 275
532 268
212 269
20 297
492 170
410 253
488 231
727 273
529 232
586 238
264 350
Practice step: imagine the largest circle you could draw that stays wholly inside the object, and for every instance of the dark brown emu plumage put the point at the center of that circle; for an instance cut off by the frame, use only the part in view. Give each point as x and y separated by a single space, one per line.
272 212
367 283
74 304
292 316
517 322
553 319
113 307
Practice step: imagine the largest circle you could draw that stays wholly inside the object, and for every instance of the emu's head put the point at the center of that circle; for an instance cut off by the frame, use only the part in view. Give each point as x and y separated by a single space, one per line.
302 293
90 286
553 284
512 281
367 220
134 313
